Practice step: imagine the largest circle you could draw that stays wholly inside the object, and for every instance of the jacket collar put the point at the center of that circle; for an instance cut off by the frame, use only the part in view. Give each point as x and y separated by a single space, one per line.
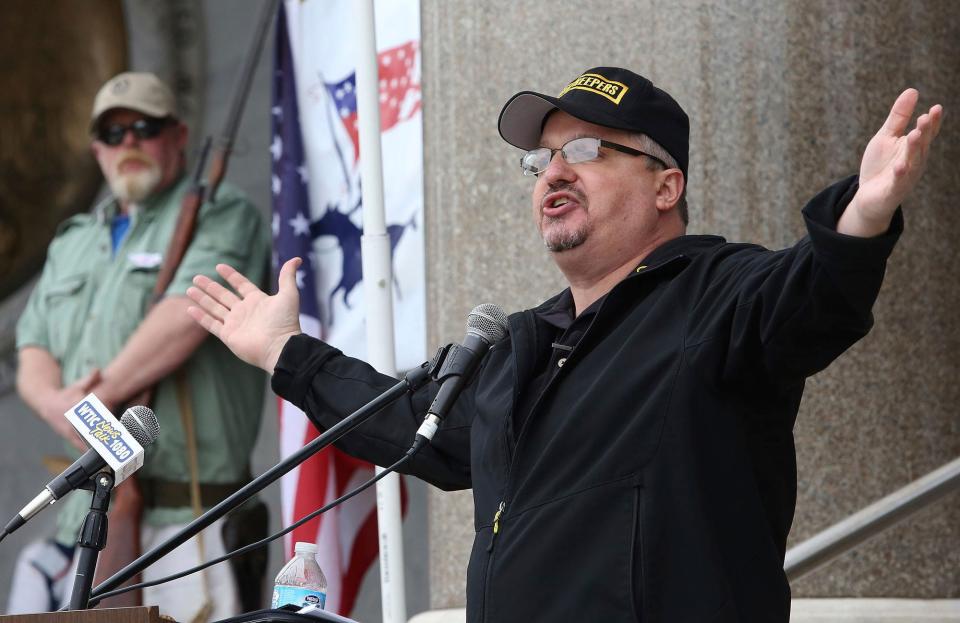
687 247
536 326
678 251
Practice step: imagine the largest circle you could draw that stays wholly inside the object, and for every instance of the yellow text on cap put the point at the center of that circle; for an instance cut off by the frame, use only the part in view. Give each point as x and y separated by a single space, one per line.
595 83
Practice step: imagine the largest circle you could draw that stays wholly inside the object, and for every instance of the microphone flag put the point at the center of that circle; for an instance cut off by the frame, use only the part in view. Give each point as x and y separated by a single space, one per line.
104 433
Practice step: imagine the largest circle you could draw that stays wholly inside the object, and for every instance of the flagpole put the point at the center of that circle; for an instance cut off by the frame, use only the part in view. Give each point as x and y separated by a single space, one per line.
378 297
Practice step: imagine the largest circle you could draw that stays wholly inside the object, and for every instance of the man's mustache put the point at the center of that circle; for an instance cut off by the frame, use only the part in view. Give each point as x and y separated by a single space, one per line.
133 155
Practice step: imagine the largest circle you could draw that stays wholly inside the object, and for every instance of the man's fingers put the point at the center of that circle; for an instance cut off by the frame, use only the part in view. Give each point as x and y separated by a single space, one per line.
288 274
936 112
205 320
209 304
900 114
241 284
934 118
225 270
217 292
911 156
928 126
91 379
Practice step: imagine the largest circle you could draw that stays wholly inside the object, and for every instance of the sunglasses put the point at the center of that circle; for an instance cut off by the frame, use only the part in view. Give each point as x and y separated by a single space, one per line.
143 129
584 149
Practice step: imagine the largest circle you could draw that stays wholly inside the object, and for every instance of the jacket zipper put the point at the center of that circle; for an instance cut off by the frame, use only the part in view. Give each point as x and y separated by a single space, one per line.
523 429
489 566
636 559
495 529
513 455
496 525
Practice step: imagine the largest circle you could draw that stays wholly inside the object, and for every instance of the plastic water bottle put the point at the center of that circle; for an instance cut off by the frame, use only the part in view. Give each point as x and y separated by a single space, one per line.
301 581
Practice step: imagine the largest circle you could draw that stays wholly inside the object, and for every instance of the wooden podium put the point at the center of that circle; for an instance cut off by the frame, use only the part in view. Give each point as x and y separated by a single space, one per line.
140 614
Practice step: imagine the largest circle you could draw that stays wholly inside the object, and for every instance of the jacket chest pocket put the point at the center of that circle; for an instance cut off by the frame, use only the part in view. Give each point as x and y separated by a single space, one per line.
134 295
66 306
140 281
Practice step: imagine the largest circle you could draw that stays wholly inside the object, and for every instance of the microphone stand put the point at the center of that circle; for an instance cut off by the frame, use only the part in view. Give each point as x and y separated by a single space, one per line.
411 382
93 538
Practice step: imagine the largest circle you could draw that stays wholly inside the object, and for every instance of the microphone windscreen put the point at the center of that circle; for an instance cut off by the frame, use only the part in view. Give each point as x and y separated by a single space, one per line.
488 322
142 424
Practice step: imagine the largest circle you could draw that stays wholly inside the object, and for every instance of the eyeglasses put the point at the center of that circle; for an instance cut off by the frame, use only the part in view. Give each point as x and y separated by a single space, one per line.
145 128
583 149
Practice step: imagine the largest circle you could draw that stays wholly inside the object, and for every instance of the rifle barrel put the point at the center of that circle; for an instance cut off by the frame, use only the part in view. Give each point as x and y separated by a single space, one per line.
267 13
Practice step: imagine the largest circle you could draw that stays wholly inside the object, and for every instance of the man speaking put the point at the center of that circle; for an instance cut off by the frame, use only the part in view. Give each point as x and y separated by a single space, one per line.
629 445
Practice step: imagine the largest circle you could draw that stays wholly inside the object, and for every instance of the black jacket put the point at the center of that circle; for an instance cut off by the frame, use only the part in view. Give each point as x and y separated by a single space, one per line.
655 478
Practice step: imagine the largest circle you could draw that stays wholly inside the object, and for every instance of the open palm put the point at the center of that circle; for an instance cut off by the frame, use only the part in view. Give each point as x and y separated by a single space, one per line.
894 159
252 324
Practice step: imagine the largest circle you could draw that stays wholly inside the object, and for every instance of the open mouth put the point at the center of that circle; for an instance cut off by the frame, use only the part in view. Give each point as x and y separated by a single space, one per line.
558 204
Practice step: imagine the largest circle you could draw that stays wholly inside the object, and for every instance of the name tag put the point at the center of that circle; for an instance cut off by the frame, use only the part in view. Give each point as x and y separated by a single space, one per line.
143 259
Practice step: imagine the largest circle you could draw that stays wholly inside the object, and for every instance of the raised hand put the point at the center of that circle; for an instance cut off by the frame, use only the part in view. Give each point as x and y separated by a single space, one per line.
252 324
892 164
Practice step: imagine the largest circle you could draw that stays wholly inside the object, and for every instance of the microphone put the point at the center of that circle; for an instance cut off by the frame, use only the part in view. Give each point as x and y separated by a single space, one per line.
114 444
486 324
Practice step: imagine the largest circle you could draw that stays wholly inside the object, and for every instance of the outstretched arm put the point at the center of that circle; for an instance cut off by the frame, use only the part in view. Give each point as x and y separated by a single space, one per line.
257 327
892 164
252 324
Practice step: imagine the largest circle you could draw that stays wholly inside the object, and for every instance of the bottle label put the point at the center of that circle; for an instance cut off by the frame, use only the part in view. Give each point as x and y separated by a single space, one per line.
297 596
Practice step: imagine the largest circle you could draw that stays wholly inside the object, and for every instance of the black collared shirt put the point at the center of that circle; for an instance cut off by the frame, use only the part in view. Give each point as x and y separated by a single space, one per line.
569 328
552 355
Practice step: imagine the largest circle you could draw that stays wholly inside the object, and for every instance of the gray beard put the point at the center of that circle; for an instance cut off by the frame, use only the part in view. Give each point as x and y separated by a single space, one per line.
565 241
134 187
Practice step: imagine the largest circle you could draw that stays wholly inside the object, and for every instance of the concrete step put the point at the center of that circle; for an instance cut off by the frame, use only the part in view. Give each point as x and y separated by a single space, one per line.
875 610
814 611
453 615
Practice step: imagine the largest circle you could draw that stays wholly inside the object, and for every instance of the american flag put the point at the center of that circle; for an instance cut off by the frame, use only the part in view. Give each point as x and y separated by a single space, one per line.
399 92
346 535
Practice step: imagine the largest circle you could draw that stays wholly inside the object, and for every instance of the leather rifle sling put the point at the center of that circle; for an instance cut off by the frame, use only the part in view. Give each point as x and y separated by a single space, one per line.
190 438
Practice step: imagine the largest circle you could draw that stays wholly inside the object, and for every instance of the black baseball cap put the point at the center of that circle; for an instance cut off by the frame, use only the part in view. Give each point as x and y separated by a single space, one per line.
609 96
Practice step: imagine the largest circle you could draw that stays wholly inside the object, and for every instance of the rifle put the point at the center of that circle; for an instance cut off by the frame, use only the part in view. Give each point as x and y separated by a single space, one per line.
124 546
